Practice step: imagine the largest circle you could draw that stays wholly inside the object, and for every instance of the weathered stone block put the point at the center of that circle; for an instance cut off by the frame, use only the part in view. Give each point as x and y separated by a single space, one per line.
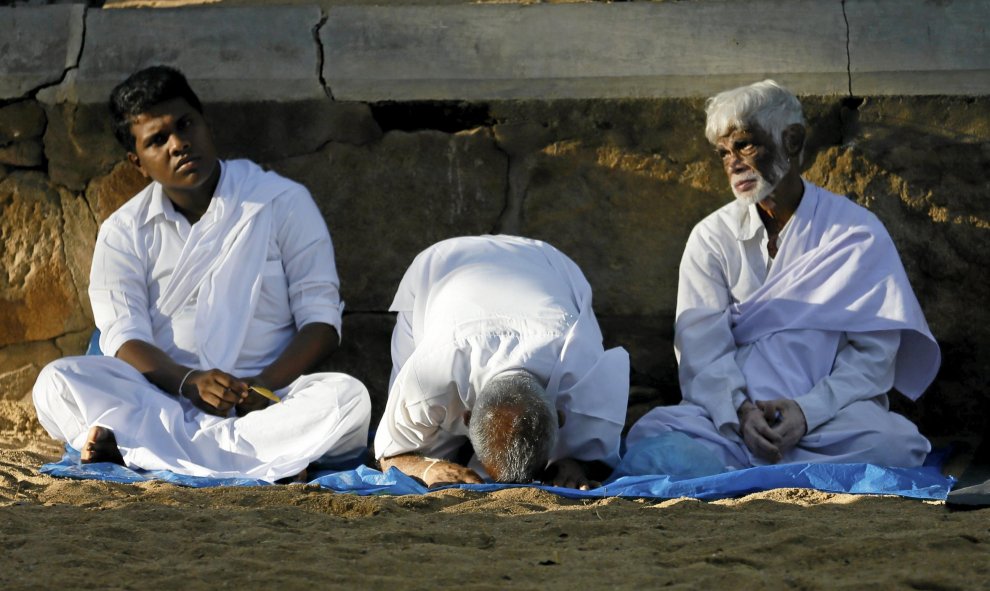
21 121
587 50
79 144
26 154
37 44
105 194
932 48
617 186
38 298
260 53
387 201
289 129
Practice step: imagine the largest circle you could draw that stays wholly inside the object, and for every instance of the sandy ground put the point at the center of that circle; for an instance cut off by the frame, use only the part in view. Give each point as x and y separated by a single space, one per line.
95 535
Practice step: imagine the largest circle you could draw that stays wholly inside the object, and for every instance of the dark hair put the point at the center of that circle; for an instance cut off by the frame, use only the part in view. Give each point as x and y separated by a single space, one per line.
142 91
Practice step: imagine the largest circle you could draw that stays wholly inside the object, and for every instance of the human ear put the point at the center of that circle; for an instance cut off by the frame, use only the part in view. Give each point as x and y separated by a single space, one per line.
136 161
560 419
467 418
792 140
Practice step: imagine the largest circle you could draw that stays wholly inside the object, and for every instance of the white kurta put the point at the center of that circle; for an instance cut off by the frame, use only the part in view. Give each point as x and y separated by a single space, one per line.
472 308
228 292
832 323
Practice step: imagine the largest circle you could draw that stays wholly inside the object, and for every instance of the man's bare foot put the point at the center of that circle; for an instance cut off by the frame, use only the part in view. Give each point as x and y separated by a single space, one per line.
101 446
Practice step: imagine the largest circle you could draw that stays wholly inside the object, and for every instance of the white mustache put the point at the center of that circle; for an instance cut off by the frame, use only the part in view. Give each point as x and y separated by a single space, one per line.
749 176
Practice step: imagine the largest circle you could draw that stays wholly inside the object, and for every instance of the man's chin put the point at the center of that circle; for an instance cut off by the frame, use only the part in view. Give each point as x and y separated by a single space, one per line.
752 197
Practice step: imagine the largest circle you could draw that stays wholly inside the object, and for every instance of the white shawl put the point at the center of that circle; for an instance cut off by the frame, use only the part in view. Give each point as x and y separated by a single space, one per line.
221 263
837 272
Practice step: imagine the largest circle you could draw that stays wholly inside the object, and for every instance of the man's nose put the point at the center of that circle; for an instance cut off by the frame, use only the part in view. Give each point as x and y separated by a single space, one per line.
178 143
733 163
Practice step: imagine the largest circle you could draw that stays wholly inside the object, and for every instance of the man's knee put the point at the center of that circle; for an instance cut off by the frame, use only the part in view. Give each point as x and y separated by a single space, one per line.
899 447
53 402
51 382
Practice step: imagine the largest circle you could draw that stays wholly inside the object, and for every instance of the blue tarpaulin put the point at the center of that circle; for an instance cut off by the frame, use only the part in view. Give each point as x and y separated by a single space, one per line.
926 482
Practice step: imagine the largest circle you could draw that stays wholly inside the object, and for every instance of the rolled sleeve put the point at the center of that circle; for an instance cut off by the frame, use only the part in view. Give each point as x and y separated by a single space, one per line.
424 413
117 288
308 259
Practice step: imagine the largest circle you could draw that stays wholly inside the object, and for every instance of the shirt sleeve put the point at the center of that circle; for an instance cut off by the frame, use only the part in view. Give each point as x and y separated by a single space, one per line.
308 259
703 341
403 344
118 289
863 369
424 413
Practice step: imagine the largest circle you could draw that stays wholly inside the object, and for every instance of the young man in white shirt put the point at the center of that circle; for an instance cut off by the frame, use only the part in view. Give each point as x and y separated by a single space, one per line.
216 279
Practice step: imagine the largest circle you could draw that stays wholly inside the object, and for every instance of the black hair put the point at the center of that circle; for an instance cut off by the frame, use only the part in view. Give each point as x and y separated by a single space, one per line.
143 90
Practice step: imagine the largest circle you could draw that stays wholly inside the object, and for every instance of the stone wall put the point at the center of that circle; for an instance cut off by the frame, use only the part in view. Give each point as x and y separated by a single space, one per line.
577 124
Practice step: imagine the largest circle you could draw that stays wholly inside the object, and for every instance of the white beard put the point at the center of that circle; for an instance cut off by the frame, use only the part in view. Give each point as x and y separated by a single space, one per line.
758 193
763 187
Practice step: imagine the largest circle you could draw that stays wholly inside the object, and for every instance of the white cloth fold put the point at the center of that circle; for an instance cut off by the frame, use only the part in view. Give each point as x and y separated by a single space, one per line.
837 272
222 260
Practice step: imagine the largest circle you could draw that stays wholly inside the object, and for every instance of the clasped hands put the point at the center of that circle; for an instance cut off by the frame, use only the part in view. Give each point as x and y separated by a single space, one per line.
771 428
216 392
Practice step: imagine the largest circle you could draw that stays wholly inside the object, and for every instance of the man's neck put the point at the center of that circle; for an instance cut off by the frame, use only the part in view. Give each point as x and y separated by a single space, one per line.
193 203
779 206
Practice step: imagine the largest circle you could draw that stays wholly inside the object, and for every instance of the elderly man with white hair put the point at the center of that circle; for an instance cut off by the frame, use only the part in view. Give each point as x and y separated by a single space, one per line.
794 314
496 344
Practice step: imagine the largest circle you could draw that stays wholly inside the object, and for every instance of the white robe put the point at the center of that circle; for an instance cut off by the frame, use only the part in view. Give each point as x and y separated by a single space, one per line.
474 307
832 323
228 292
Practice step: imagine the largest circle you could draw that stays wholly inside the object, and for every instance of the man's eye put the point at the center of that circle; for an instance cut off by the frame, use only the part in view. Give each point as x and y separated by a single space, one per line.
185 123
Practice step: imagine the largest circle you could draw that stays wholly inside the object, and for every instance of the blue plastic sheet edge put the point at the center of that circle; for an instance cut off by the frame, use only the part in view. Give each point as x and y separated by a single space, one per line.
926 482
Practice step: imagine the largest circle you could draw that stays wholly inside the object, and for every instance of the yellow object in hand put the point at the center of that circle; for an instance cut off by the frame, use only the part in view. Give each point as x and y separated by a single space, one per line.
265 392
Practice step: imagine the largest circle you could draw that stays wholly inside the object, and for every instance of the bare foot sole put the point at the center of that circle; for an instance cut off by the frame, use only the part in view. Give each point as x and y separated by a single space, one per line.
101 446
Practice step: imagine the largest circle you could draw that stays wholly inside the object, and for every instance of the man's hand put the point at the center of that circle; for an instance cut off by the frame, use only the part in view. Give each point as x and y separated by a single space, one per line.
787 421
430 471
214 391
756 432
443 472
568 473
253 401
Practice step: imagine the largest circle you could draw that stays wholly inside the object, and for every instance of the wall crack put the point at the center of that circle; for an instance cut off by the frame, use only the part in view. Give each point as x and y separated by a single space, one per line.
321 54
845 18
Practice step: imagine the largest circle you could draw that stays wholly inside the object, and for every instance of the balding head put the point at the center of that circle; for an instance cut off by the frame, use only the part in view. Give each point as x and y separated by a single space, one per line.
513 427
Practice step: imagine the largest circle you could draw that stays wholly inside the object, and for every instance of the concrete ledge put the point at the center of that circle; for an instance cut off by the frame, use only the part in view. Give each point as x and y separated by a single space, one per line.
37 44
582 50
899 47
248 54
493 52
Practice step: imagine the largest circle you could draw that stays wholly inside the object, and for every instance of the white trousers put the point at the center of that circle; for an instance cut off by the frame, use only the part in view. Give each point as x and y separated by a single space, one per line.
862 432
320 414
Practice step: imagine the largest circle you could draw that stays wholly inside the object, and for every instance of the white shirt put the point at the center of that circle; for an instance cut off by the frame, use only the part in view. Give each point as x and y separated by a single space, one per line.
137 249
725 266
472 308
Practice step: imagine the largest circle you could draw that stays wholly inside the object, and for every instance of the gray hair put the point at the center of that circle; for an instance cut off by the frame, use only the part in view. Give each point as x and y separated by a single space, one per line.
513 427
767 104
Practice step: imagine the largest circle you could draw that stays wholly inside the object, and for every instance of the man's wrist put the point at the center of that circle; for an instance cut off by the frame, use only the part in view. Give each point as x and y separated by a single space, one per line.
182 383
